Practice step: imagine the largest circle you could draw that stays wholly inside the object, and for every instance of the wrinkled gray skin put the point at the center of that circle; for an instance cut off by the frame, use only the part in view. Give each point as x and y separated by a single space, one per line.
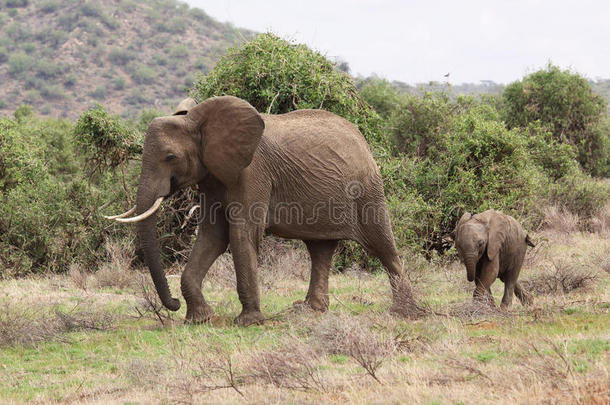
283 171
492 245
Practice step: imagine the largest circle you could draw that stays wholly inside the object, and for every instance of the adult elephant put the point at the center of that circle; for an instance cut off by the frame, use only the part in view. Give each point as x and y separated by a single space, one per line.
307 175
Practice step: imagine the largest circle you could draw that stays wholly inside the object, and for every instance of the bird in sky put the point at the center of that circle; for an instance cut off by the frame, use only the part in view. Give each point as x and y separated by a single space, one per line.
447 75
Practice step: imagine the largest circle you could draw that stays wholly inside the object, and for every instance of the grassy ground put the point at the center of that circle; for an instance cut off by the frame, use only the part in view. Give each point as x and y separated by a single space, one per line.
100 338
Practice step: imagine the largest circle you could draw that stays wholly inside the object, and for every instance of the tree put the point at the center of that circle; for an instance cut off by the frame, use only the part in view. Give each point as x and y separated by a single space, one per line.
565 103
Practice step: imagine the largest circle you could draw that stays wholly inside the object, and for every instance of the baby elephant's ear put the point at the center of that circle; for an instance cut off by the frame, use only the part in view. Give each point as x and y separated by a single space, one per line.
498 228
184 106
230 130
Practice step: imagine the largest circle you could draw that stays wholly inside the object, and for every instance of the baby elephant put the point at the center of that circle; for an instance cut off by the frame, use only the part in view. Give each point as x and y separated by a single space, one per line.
492 244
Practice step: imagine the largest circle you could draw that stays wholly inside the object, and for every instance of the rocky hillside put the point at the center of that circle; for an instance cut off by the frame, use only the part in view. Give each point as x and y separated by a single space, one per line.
62 56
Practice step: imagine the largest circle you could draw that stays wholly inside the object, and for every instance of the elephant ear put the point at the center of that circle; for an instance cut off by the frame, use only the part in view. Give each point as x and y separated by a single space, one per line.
498 228
184 106
231 130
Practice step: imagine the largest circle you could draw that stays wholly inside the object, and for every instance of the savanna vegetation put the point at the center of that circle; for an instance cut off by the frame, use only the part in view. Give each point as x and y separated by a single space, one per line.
88 326
61 56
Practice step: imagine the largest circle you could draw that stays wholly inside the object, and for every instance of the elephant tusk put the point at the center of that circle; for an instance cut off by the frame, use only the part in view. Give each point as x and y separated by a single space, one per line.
144 215
123 215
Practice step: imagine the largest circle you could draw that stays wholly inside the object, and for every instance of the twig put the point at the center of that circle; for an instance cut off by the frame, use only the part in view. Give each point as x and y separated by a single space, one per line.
272 101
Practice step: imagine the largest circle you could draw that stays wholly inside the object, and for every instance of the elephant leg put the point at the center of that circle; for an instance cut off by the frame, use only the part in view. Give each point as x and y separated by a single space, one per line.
509 290
244 240
212 241
380 242
484 280
321 253
525 298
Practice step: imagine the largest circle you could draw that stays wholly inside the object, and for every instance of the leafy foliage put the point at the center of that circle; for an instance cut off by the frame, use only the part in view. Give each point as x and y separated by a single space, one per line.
565 102
48 208
276 76
105 139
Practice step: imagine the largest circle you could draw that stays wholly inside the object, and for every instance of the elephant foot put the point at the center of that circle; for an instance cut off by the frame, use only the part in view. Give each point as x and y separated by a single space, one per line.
315 304
198 314
249 318
485 299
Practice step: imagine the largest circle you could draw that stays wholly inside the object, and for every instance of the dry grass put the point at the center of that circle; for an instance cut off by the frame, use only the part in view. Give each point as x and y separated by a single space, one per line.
560 220
295 365
20 326
117 271
554 352
600 223
562 277
347 336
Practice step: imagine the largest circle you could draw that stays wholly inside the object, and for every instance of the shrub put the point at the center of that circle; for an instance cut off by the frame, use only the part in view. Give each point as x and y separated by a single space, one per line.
49 6
105 139
28 47
300 78
19 63
120 56
70 80
52 92
144 75
3 54
47 69
40 171
580 194
179 51
91 9
384 97
16 3
565 102
119 83
99 93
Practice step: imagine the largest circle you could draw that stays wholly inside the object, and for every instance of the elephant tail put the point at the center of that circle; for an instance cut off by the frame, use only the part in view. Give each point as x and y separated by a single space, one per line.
528 241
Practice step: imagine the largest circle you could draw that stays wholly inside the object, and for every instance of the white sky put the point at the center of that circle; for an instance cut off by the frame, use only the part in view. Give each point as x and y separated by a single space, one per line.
418 41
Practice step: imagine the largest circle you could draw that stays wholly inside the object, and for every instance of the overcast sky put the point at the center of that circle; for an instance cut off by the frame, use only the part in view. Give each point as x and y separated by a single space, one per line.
418 41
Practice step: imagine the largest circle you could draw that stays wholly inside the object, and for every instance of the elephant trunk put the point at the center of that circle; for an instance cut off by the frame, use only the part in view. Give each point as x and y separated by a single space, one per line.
471 265
149 243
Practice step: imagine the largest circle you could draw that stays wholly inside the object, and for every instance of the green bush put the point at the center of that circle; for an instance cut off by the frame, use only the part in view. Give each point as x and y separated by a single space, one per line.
179 52
48 208
565 102
28 48
120 56
52 92
299 78
19 63
144 75
580 194
49 6
99 93
105 139
477 164
384 97
47 69
119 83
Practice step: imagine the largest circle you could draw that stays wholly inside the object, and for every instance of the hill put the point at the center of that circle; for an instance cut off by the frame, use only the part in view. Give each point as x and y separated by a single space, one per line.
61 56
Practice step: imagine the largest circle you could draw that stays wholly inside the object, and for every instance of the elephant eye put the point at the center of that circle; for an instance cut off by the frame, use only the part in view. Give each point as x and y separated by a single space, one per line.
170 157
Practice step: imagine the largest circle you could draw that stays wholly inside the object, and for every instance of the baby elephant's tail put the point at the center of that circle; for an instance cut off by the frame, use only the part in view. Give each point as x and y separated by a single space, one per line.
529 241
